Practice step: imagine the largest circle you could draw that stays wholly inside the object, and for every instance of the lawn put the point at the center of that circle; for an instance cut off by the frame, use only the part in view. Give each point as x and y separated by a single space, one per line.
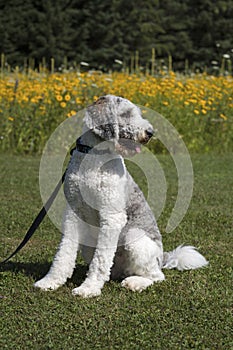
189 310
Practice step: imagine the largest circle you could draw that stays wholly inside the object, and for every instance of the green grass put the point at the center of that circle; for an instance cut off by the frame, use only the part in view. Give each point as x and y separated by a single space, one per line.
189 310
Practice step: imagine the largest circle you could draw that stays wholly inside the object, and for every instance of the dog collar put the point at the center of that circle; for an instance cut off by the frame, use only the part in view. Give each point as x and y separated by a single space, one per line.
82 148
86 149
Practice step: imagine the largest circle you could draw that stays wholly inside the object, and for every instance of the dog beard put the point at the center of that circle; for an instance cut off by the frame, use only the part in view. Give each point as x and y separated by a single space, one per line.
126 147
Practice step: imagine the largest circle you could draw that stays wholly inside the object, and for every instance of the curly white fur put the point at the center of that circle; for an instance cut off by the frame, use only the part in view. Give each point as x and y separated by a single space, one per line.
107 217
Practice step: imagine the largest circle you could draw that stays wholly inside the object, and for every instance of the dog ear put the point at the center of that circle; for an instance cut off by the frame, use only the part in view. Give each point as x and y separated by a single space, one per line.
101 118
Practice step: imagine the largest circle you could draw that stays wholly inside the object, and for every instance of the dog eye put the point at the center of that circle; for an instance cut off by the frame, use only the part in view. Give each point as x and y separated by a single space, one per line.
126 115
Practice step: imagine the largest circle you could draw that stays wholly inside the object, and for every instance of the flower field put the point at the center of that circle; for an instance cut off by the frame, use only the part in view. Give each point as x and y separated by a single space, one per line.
32 105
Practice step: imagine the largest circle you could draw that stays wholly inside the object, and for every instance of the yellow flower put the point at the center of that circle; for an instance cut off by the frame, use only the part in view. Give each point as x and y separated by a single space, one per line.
203 111
63 104
192 100
180 84
223 116
78 100
67 97
196 111
11 119
59 98
71 113
165 103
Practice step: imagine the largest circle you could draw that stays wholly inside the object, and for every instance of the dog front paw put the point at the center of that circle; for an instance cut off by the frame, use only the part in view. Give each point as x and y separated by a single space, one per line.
86 291
47 284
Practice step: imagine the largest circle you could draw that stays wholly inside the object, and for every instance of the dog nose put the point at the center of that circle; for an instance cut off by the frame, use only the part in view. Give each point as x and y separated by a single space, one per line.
150 132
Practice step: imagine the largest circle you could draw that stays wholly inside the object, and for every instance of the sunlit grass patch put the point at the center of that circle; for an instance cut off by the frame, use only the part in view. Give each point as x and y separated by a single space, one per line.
189 310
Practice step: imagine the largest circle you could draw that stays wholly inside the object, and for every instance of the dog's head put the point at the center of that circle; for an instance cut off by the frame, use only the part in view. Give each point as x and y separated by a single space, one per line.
117 119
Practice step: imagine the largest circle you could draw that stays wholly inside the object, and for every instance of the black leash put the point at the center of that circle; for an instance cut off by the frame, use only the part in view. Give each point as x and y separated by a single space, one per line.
36 223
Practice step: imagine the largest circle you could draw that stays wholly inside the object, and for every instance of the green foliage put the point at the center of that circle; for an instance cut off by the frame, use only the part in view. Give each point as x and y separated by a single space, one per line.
100 31
32 106
189 310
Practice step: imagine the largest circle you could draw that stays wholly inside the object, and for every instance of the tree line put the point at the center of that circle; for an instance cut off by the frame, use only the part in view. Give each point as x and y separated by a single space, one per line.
106 34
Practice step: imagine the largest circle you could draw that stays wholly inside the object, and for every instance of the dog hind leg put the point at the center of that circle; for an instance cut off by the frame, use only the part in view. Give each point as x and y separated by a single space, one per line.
144 261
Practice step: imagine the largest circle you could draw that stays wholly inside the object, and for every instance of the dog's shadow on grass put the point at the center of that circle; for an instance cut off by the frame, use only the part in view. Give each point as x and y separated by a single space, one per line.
37 270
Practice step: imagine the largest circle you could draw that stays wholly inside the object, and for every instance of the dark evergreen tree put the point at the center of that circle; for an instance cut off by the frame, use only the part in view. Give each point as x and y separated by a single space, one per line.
211 30
175 40
101 31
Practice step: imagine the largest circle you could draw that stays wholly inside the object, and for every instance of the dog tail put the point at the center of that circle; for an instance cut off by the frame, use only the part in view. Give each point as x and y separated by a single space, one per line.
183 258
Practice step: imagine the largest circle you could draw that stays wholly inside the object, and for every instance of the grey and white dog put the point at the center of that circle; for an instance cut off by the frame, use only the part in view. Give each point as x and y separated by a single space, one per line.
108 218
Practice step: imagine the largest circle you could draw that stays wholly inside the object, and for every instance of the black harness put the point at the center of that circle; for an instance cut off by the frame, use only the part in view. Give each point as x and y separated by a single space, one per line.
80 148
